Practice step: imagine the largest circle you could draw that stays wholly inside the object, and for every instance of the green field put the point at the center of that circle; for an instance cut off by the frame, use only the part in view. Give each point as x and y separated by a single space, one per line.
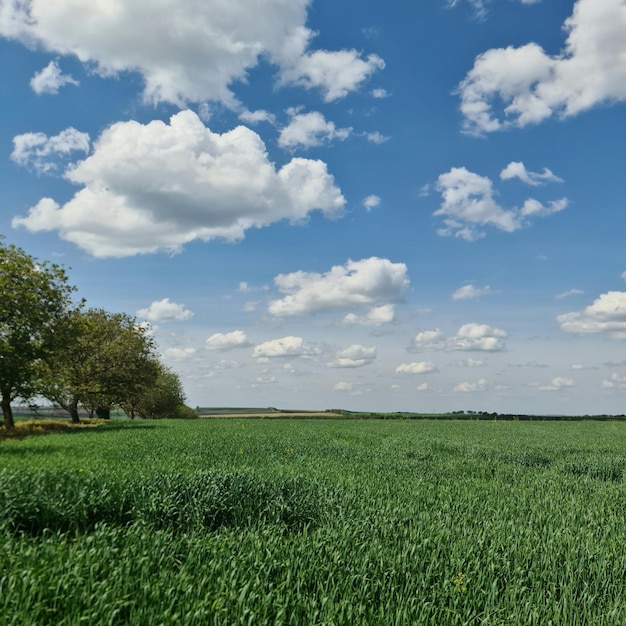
316 522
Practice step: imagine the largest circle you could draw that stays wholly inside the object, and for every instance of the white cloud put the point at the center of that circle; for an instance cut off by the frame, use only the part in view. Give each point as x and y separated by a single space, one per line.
534 208
579 366
376 137
480 6
614 382
157 186
356 284
179 354
227 341
354 356
467 387
517 169
428 340
244 287
468 363
480 337
310 129
353 389
606 314
470 338
283 347
422 387
50 79
623 275
531 85
165 311
205 111
557 384
568 293
420 367
376 316
468 292
254 117
44 153
371 202
469 203
380 93
335 73
192 51
343 386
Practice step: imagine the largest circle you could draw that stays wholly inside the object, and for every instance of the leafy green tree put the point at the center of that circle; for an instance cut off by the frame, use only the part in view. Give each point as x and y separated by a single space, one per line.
163 398
64 379
107 359
34 297
185 412
122 361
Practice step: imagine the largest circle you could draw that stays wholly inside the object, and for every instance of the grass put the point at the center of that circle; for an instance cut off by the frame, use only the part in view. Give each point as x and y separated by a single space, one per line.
29 427
316 522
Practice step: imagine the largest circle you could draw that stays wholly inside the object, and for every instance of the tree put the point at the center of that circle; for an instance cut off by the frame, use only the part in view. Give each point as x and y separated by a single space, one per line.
122 361
107 359
64 378
34 297
163 398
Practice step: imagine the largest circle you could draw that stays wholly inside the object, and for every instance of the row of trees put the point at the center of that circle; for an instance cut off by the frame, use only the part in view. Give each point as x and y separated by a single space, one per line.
54 347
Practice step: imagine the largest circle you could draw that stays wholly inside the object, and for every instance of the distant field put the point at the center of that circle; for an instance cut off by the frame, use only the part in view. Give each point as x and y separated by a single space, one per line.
261 412
368 522
221 410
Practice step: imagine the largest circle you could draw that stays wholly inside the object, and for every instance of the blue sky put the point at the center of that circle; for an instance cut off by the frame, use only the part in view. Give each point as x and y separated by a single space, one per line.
377 206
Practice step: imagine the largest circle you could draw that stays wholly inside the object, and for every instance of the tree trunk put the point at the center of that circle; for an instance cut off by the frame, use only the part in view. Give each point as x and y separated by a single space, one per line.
103 412
72 409
7 412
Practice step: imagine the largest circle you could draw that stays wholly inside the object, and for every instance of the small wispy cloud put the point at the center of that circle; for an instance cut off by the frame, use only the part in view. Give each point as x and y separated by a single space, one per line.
469 292
569 293
50 79
371 202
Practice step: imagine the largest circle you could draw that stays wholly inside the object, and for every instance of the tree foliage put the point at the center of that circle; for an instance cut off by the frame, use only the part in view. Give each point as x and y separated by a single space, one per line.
163 398
107 359
34 297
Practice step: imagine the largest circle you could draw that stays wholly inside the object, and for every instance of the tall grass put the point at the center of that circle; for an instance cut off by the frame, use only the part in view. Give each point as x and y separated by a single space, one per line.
259 522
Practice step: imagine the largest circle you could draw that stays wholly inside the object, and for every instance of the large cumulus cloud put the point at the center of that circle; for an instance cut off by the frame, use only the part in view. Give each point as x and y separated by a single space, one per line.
525 85
366 283
185 50
157 186
607 314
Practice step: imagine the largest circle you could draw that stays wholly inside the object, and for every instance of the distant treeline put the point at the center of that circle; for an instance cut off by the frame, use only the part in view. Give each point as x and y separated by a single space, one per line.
476 415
